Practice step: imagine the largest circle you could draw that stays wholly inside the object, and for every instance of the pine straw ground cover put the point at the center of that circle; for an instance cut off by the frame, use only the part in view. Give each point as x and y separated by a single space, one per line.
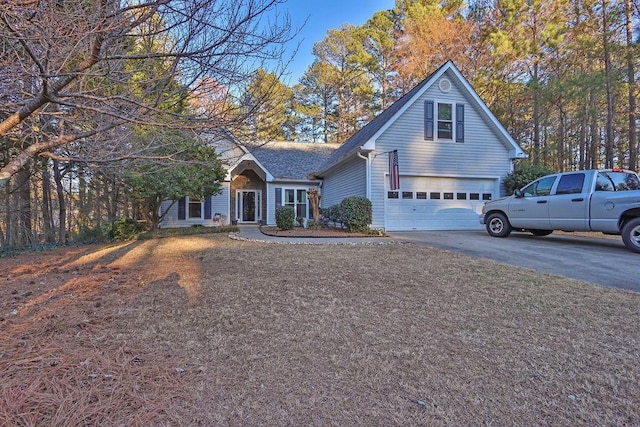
204 330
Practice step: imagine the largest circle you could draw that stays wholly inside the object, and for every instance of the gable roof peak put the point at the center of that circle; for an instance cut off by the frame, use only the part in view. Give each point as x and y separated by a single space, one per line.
365 138
372 129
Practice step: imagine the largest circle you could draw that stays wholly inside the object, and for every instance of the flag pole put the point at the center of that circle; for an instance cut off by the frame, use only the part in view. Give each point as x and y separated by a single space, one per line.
393 170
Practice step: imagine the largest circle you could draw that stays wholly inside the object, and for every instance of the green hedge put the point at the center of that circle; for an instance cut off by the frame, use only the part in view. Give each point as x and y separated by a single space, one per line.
332 214
285 217
356 213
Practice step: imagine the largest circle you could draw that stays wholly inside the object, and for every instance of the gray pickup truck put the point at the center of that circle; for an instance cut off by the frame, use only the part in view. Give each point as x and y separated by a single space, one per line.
607 201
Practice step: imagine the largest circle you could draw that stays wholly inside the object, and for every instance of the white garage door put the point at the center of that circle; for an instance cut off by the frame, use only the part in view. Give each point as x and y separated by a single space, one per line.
438 203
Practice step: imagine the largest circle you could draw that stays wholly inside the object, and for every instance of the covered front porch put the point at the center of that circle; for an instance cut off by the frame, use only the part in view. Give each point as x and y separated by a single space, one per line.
248 193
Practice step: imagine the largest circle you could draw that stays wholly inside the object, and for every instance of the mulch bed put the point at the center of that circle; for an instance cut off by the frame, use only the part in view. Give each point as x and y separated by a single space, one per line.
312 232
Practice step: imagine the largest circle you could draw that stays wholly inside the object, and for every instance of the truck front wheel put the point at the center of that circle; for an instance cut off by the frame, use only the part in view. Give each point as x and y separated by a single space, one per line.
498 225
631 234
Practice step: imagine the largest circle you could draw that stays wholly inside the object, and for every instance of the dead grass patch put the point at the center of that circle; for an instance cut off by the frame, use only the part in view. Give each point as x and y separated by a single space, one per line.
211 331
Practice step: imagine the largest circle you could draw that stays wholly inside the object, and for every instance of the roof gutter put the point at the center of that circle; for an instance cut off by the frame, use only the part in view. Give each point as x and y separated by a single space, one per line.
297 180
517 154
368 168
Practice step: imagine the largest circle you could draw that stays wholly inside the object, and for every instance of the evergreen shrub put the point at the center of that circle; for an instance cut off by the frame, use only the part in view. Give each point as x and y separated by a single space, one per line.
356 213
523 175
125 229
333 214
285 217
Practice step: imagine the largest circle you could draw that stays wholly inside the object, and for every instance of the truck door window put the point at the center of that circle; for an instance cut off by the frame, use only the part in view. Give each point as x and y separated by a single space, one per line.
617 181
541 187
604 183
570 184
625 181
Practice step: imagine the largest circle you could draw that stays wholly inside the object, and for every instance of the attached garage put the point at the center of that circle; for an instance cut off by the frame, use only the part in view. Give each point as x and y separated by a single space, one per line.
437 203
448 148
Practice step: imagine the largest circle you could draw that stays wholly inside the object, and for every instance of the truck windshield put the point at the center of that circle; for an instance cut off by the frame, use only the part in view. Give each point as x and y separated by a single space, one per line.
617 181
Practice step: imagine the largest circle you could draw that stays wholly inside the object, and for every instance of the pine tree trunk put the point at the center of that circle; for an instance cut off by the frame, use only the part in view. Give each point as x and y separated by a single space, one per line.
21 195
582 138
594 137
631 76
6 238
560 140
609 138
62 205
83 205
47 217
536 118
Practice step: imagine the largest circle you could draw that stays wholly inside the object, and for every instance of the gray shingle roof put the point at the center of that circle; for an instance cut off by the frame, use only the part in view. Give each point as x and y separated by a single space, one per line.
363 135
292 160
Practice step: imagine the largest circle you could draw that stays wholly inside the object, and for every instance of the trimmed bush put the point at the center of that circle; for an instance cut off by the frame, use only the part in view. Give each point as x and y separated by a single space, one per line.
356 213
285 217
333 214
125 229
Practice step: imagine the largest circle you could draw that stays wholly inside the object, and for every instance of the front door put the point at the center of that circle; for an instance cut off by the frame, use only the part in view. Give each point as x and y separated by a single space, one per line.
249 203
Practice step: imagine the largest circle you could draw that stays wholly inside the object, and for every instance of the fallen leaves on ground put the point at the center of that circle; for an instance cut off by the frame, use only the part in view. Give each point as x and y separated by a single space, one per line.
204 330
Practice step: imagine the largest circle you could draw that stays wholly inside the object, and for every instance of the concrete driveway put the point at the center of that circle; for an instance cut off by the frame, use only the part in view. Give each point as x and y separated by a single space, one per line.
596 259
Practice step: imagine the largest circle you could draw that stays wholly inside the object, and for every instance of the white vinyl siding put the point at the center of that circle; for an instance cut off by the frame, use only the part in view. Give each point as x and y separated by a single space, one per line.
483 154
349 179
298 191
219 204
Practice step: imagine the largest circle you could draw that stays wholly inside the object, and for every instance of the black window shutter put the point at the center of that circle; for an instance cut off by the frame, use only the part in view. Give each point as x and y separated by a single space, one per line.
428 120
278 197
459 122
182 205
207 207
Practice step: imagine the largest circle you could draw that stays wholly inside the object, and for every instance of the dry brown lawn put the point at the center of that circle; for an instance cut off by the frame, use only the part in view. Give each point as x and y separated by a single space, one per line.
204 330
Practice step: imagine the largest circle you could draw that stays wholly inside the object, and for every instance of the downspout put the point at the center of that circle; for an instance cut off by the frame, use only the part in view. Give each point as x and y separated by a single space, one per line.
368 172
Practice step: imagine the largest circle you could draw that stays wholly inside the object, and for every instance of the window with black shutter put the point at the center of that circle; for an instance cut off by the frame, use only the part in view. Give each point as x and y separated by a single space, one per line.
182 208
428 120
459 122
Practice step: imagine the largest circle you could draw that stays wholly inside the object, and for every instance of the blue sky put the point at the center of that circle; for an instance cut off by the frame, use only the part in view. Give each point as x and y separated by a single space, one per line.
321 16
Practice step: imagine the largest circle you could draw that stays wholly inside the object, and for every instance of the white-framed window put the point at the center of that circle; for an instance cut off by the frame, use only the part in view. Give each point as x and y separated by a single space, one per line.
297 198
443 121
195 208
292 196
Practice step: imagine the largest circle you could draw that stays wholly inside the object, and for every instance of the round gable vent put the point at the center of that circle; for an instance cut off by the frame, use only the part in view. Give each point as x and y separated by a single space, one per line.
444 85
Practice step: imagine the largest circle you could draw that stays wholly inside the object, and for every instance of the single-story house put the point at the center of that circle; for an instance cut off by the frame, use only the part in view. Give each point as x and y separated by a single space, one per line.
428 162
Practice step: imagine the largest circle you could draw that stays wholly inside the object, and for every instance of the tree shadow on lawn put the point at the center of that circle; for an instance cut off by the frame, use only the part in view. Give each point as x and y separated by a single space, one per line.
333 335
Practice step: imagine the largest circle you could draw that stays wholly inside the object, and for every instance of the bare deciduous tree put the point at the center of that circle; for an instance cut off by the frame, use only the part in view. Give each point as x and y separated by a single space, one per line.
90 70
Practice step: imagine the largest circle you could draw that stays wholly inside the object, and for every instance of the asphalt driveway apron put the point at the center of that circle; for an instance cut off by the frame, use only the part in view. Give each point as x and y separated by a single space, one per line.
595 259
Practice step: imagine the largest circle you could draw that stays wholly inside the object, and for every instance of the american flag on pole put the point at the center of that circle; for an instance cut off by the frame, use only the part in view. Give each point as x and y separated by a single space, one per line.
394 171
